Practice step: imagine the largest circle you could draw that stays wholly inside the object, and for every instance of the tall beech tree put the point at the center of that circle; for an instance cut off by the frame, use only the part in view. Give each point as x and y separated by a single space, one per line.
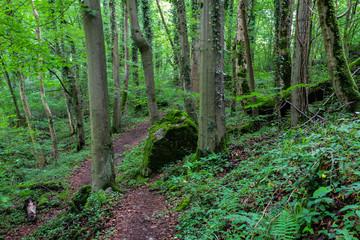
185 59
345 88
102 161
116 123
299 69
212 106
127 60
147 61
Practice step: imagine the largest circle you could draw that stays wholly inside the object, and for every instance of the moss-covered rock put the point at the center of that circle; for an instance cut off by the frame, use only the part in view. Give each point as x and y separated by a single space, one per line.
79 200
55 186
170 139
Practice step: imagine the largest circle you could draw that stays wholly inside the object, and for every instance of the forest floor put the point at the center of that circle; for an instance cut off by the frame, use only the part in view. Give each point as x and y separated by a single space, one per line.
140 214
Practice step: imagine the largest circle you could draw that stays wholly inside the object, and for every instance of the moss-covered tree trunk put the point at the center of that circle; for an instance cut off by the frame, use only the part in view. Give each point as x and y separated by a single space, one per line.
342 80
185 59
212 107
299 69
102 161
147 61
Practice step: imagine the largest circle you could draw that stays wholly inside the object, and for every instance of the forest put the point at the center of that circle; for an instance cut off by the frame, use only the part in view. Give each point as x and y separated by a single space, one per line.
180 119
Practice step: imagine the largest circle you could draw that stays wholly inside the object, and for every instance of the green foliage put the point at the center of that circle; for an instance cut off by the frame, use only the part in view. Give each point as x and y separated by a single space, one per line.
82 224
285 226
283 186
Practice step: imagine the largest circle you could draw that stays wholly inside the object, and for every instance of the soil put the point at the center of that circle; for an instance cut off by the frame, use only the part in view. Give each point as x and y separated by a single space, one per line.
141 214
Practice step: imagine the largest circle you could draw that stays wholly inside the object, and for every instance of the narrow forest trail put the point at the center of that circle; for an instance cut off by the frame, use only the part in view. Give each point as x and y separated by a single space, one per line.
140 214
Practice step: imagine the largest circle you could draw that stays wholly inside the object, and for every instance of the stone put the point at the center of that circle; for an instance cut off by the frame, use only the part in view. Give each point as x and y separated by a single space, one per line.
170 139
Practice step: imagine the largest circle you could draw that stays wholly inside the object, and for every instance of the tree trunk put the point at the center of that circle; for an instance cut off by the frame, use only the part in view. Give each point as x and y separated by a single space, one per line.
283 22
135 64
195 47
147 61
299 70
102 162
249 64
116 124
241 85
212 108
38 153
42 90
127 59
342 80
20 119
185 60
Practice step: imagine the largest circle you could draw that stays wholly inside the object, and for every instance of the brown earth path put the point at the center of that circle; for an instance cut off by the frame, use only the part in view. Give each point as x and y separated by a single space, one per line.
141 214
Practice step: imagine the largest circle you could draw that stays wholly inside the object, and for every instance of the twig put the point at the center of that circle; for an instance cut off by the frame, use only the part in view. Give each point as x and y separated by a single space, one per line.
355 71
298 109
61 82
252 236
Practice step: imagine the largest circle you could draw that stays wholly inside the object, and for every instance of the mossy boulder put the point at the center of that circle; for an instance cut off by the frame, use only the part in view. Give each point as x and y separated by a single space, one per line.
170 139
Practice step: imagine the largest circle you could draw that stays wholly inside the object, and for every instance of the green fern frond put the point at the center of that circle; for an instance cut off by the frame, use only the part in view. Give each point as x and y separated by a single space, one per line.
285 226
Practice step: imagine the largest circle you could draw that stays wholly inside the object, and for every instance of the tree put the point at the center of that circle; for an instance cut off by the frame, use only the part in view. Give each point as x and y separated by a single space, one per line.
342 80
185 59
212 106
42 89
147 61
299 69
116 124
102 162
127 59
250 71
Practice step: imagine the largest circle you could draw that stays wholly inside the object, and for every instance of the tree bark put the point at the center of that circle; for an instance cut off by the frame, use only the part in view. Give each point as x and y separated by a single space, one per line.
342 80
283 22
102 162
116 124
241 85
185 60
212 107
127 59
38 153
195 47
42 90
20 119
250 70
299 69
147 61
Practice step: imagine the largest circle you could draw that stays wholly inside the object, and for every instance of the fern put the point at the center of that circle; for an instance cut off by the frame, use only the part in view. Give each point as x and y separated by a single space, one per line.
285 226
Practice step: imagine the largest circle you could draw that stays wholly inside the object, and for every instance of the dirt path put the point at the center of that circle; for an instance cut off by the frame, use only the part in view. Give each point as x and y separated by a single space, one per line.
142 214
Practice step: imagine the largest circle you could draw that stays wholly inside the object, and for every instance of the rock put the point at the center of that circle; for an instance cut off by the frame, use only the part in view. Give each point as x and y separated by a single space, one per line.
170 139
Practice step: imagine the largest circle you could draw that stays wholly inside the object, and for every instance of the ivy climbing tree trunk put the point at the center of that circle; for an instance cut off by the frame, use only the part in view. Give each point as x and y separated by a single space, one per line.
185 59
299 69
212 107
38 153
42 89
102 162
342 80
147 61
116 124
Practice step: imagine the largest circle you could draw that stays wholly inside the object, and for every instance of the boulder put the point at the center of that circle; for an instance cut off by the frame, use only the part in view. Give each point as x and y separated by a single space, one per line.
170 139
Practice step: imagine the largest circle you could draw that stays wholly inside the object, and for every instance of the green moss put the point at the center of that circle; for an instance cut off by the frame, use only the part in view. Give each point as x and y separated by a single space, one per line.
78 201
170 139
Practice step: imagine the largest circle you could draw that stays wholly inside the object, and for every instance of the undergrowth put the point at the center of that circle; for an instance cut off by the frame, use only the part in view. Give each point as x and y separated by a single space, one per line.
298 185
